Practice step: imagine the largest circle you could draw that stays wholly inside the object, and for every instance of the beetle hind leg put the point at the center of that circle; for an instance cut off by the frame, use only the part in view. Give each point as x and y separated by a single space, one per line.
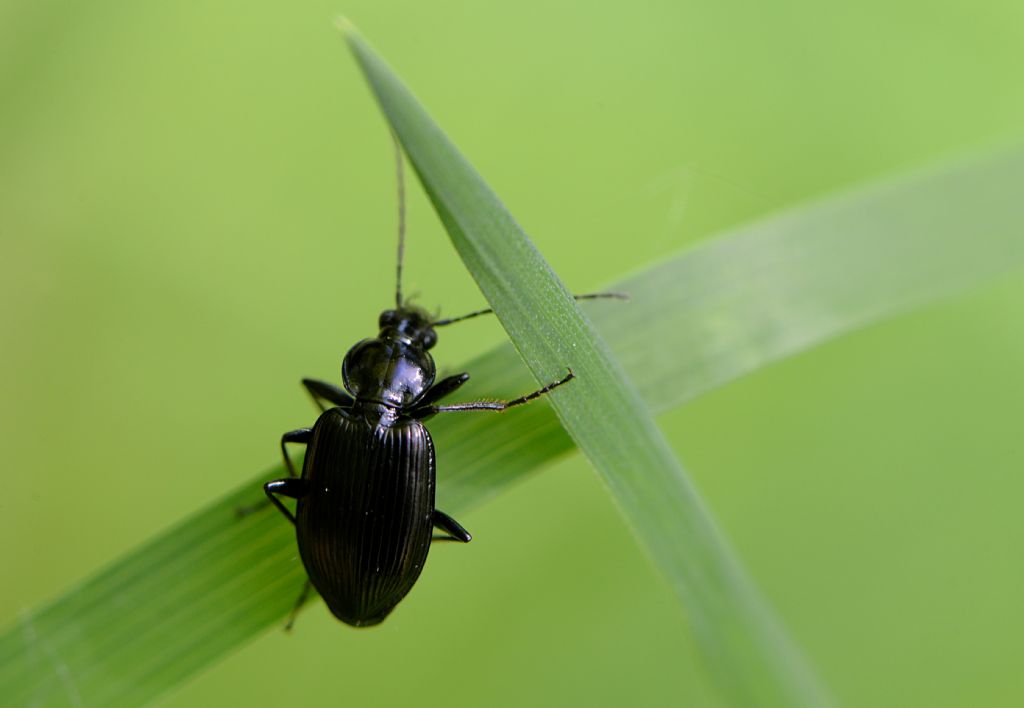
453 529
303 596
245 510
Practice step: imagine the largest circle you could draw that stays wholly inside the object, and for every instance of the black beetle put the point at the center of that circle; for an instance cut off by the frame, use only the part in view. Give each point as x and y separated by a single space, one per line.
365 512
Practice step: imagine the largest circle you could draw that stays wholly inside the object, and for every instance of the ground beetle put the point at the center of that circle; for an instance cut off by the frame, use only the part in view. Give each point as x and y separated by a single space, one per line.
365 512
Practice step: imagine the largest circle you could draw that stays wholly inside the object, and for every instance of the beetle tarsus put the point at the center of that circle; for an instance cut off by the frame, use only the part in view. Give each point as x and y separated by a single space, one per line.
243 511
303 596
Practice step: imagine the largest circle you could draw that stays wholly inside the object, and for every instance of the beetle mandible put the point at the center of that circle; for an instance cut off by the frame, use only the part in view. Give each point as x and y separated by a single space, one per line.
365 515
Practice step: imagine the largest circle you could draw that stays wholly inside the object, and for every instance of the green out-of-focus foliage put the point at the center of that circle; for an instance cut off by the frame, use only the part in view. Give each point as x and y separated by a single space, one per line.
196 209
181 601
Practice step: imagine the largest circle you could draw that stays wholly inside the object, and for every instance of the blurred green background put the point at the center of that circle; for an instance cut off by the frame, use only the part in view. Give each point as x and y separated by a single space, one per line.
197 209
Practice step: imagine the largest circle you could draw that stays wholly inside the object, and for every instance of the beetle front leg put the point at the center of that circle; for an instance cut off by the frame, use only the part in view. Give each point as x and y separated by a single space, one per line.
422 412
292 487
443 522
322 391
442 388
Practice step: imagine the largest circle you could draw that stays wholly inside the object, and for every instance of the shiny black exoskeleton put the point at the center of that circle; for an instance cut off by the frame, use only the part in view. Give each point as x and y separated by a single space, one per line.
365 515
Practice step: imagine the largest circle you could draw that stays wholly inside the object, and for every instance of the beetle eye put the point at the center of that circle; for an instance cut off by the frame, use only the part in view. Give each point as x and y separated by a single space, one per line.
387 319
429 339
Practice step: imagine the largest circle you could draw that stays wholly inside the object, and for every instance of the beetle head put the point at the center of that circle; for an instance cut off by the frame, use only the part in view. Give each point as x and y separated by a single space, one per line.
408 325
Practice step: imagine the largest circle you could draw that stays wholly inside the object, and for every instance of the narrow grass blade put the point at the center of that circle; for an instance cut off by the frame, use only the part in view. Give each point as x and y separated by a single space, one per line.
753 660
726 308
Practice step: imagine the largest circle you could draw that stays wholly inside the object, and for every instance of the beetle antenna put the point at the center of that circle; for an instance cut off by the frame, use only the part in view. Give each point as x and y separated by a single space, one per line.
400 176
488 311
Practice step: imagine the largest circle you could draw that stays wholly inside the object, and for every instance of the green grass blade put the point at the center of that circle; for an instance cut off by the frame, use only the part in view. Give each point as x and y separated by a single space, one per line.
753 660
770 290
184 599
781 285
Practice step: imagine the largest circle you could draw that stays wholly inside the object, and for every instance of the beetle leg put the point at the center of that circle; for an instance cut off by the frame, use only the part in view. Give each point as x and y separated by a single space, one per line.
322 391
442 388
243 511
303 596
292 487
302 435
427 411
443 522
